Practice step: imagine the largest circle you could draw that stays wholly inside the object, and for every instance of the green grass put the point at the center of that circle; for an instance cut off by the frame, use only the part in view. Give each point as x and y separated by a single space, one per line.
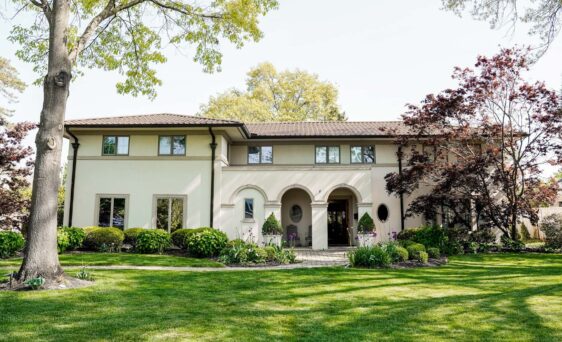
105 259
505 297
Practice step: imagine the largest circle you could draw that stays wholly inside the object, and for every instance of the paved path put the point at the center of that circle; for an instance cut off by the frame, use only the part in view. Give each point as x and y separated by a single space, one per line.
307 257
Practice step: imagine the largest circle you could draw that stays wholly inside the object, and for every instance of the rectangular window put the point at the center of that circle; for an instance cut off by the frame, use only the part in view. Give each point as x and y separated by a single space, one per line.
171 145
112 211
170 213
248 208
260 154
115 145
363 154
327 155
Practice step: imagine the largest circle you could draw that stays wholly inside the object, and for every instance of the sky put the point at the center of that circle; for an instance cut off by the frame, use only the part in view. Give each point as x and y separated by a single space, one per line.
380 54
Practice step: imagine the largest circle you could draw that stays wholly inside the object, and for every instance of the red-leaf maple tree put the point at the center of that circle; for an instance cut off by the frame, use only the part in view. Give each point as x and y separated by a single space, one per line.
481 147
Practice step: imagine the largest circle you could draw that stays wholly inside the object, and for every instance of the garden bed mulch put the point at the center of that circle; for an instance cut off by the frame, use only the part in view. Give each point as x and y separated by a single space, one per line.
63 283
267 264
414 263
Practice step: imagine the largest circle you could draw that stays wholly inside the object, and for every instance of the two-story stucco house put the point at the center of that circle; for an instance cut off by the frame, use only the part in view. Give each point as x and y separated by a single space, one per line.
172 171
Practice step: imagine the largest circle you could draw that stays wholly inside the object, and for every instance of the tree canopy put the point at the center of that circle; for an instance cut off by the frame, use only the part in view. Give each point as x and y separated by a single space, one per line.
271 95
544 16
480 148
9 82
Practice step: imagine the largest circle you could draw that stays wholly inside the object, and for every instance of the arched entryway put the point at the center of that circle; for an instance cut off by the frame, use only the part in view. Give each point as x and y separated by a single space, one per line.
342 217
296 217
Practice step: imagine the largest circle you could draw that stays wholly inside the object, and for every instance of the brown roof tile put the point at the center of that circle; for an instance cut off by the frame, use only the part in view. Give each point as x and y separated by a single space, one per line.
256 130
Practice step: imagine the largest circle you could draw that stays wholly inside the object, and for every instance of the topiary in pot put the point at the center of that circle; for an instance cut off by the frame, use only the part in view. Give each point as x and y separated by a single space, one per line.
366 224
271 226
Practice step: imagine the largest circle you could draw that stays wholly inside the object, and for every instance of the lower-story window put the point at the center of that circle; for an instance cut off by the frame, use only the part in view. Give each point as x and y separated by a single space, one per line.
170 212
112 211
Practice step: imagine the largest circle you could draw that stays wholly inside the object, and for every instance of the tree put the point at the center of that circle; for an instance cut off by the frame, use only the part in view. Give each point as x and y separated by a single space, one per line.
544 16
480 147
122 35
16 166
9 82
277 96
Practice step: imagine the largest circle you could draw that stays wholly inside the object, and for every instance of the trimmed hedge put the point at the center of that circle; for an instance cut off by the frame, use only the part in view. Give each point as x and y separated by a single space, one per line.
131 235
76 237
429 236
206 243
10 244
402 253
153 241
104 239
433 252
180 236
414 250
422 257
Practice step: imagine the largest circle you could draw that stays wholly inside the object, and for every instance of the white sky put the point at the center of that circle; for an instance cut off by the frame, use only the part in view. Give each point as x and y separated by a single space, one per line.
380 54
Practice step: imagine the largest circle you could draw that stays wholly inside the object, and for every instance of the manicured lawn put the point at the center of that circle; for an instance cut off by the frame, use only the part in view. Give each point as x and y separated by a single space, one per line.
490 297
104 259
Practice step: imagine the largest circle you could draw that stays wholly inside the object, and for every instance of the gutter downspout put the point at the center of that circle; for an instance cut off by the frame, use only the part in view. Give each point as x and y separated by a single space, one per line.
213 145
75 146
401 194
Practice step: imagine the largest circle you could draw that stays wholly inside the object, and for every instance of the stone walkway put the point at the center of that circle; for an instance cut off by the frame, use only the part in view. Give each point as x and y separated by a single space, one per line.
308 258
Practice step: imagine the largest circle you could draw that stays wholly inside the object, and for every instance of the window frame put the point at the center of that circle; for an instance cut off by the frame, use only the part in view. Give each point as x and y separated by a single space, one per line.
172 154
253 209
169 197
327 154
260 155
112 196
116 144
363 154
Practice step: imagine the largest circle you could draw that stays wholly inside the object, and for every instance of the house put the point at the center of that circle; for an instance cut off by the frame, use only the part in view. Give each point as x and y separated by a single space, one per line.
170 171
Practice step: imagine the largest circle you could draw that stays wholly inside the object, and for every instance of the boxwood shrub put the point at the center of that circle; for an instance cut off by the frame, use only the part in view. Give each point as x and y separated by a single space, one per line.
429 236
433 252
206 243
414 249
10 243
62 241
402 253
153 241
422 257
179 236
76 237
104 239
131 235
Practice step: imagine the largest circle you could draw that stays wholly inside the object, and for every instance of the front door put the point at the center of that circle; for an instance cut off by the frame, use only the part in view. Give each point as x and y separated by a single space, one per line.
338 218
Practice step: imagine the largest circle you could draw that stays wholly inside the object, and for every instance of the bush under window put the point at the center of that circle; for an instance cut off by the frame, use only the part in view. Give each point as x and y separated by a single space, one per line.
10 244
104 239
153 241
76 237
62 241
206 243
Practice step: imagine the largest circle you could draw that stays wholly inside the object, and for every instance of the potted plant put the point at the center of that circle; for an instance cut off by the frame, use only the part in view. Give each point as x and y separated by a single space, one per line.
366 233
272 231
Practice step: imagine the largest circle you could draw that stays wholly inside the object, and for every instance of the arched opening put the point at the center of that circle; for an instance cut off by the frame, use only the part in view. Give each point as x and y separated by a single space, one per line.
342 217
296 217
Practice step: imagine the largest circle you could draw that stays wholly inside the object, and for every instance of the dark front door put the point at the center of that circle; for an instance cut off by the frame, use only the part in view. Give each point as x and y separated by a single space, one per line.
338 218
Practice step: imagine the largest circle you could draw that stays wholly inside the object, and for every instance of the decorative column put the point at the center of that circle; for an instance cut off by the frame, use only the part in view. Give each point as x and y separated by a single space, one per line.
319 225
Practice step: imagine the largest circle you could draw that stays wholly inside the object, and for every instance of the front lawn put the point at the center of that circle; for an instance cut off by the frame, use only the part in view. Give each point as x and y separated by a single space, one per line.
505 297
106 259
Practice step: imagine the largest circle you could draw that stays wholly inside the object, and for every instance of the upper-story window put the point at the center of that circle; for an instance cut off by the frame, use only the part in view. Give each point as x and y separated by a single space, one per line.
362 154
115 145
260 154
171 145
327 155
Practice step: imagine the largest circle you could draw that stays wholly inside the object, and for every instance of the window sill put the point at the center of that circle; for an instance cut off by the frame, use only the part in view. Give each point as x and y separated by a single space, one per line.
248 221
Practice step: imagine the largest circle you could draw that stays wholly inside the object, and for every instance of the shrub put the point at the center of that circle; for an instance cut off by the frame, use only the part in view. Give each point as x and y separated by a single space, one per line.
414 249
62 241
512 245
422 257
402 253
180 236
10 243
433 252
35 283
104 239
366 224
131 235
206 243
270 251
373 256
552 228
430 236
76 237
271 226
153 241
241 252
483 235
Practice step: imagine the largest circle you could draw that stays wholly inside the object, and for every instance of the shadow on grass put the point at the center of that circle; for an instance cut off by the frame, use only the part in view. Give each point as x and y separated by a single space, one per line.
474 298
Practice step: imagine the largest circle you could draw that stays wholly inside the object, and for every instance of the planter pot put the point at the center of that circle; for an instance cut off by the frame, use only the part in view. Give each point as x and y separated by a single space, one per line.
366 240
272 240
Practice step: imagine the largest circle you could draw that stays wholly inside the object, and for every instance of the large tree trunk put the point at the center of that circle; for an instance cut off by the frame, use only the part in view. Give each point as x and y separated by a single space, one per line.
41 257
